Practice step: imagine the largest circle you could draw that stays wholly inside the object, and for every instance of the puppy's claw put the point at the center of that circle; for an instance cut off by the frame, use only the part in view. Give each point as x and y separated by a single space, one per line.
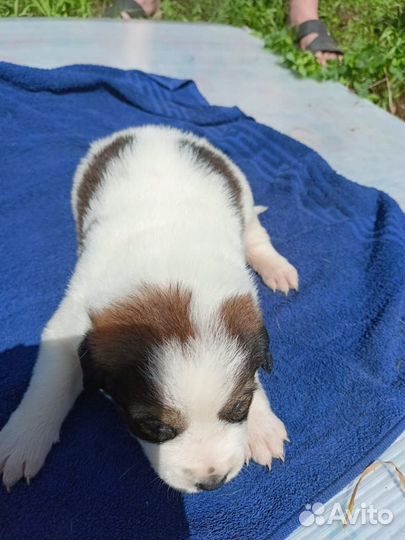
280 276
266 441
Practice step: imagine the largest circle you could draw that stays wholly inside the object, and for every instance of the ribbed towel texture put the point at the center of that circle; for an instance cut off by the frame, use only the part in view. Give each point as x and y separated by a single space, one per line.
338 344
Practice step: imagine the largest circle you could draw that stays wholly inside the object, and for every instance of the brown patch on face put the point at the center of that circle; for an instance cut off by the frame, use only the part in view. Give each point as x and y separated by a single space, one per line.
167 415
237 406
216 163
172 417
117 354
94 174
155 424
241 317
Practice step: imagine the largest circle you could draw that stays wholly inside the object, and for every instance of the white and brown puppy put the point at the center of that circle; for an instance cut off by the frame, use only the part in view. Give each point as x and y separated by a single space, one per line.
161 313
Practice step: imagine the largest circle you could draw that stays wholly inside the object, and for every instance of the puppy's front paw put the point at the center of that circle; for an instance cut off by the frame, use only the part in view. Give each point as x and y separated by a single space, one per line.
266 437
23 450
280 275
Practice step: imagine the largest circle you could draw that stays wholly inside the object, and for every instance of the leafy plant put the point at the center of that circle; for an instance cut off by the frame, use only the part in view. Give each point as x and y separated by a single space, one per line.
371 32
46 8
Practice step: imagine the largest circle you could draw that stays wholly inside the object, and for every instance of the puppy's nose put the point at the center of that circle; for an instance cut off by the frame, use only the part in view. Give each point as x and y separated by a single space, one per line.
212 482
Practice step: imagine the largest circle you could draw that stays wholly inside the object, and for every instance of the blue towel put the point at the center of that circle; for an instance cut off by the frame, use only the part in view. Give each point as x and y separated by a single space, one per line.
338 344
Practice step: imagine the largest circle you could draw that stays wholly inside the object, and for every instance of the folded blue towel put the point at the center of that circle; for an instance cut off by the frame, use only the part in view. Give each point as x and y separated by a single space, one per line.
338 344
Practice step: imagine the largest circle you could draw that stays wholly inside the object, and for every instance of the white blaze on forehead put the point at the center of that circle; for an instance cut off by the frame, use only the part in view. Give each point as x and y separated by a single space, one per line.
198 377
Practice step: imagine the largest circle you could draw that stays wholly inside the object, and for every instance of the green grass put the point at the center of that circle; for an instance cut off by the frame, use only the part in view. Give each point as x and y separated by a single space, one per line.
371 32
50 8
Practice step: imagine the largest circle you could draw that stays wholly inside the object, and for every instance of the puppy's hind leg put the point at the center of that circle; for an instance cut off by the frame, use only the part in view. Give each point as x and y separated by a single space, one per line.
274 269
55 384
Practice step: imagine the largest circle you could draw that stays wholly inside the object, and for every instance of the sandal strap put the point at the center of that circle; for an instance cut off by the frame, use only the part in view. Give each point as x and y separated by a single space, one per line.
131 7
315 26
324 42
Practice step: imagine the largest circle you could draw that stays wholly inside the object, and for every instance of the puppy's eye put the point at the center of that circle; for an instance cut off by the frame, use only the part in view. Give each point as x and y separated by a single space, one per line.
155 431
164 432
239 412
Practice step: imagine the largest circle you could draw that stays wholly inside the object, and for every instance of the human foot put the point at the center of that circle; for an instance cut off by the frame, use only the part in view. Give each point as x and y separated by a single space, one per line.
133 9
312 34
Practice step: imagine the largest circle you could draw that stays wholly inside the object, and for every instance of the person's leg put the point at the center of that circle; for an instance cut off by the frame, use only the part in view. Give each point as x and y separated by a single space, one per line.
307 10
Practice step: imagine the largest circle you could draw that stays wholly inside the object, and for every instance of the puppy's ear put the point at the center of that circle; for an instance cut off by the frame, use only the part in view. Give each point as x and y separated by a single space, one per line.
243 320
263 351
92 375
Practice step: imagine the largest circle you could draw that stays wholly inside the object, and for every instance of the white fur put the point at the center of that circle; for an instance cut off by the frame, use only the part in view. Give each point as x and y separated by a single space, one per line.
197 381
266 432
158 219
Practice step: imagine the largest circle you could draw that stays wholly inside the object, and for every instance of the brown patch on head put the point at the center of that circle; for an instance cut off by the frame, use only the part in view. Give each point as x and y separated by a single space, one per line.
117 354
94 175
217 164
156 314
237 406
241 317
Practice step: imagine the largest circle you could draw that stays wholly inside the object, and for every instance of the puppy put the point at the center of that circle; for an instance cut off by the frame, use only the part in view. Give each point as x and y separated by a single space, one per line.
161 313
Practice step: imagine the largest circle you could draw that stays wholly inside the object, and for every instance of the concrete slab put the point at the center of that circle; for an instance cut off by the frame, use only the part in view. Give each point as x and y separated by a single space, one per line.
230 67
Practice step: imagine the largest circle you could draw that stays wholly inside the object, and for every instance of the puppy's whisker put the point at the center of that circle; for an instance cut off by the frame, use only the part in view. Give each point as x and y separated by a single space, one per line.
126 472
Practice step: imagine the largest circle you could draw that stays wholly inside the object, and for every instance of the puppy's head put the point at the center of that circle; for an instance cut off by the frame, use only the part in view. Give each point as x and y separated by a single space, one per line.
184 385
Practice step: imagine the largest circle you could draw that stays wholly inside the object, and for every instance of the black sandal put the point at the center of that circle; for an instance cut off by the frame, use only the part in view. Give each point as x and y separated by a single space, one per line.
131 8
324 42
